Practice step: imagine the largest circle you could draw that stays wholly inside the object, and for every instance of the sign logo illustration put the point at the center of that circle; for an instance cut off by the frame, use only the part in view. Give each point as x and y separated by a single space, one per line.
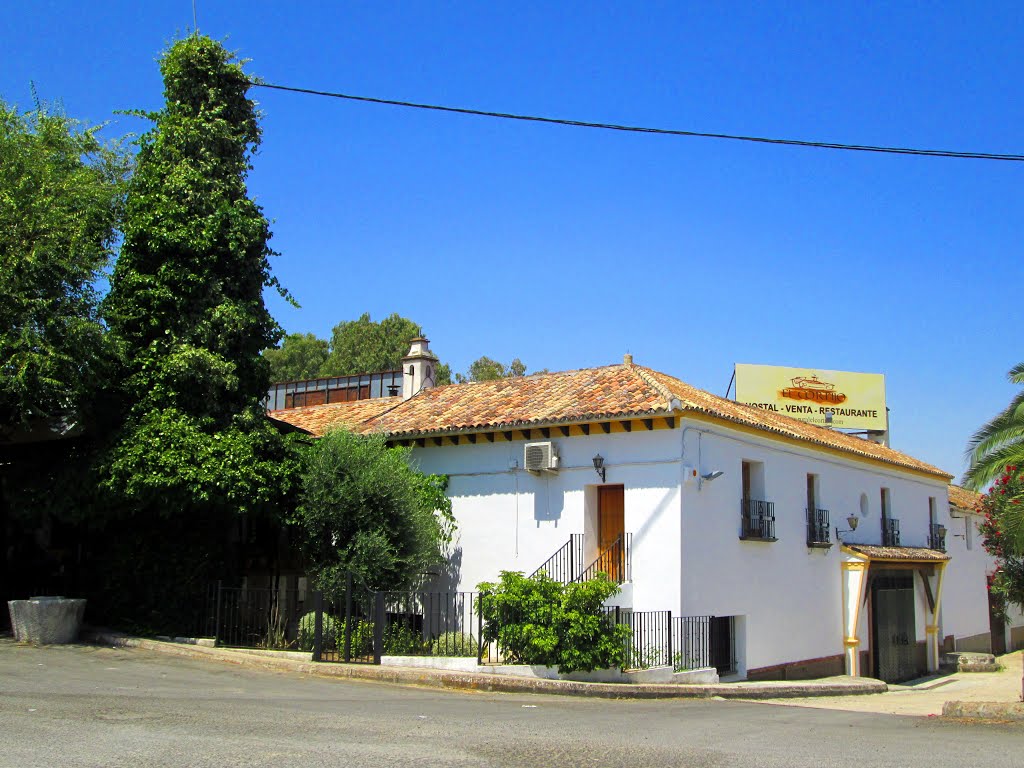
814 389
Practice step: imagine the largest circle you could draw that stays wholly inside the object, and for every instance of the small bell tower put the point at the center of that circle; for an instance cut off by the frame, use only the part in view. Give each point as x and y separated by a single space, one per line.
419 368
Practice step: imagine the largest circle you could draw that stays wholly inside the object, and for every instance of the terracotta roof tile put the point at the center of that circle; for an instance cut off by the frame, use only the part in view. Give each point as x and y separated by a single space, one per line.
963 498
589 394
898 553
694 399
582 395
317 419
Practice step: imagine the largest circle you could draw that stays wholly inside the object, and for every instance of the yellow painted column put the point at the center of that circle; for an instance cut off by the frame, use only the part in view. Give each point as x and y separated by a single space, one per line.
932 628
854 575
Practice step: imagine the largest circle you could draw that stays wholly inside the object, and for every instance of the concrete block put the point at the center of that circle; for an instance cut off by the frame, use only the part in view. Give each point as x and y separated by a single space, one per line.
46 620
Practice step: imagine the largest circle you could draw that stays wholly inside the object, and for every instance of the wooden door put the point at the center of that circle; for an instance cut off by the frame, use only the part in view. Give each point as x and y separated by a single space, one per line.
611 525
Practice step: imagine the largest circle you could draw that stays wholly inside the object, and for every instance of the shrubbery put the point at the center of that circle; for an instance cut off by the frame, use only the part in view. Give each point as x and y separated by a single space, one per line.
538 620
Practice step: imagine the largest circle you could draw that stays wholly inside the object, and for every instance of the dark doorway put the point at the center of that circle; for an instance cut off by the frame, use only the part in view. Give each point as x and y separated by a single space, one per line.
894 637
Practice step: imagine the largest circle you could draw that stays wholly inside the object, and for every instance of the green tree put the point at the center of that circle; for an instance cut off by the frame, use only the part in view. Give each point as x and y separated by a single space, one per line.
356 346
365 508
488 369
1000 442
185 307
300 356
362 346
61 191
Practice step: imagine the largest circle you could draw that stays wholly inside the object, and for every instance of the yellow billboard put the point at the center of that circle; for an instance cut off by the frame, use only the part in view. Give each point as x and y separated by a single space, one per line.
839 399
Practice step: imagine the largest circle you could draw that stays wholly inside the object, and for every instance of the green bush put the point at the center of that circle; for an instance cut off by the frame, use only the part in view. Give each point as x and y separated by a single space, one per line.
538 620
454 644
402 640
307 631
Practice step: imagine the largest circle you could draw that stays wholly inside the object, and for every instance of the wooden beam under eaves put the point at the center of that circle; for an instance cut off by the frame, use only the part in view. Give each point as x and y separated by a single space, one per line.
527 434
438 441
508 435
471 438
489 436
545 432
627 425
670 422
649 423
564 431
454 439
606 426
585 429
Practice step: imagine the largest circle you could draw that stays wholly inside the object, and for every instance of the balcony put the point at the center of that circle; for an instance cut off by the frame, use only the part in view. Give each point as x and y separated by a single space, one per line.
818 530
758 520
937 537
890 532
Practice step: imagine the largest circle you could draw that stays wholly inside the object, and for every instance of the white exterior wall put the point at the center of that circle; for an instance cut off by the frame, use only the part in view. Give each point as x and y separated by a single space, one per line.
789 595
510 519
686 553
965 595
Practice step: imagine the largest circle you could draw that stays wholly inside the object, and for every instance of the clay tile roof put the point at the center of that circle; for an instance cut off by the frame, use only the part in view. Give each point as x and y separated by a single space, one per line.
898 553
317 419
693 399
963 498
583 395
589 394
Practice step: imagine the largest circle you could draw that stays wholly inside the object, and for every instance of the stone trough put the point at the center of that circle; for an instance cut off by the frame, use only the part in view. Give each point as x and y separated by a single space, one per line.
46 620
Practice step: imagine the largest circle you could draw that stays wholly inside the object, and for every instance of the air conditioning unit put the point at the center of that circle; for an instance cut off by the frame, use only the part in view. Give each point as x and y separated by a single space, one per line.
540 457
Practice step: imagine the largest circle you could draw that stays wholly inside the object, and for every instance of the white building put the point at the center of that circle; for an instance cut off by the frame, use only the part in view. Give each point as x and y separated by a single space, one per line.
701 506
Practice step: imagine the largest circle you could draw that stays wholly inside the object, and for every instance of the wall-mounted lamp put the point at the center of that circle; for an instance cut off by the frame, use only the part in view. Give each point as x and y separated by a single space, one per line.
851 521
599 466
709 476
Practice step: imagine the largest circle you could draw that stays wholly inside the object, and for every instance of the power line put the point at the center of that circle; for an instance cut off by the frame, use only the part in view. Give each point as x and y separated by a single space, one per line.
659 131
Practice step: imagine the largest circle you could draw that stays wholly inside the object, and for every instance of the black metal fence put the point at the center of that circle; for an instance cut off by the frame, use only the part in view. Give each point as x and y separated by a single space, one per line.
244 617
360 626
614 562
818 529
566 564
890 532
659 639
758 519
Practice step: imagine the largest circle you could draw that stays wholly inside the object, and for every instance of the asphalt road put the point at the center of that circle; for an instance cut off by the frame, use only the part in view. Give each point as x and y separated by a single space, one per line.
90 706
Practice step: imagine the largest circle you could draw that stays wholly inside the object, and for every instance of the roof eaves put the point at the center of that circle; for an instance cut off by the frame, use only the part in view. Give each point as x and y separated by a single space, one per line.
935 472
532 424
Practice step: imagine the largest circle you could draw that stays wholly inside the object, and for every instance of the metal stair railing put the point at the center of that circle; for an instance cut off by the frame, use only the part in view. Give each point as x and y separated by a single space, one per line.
566 564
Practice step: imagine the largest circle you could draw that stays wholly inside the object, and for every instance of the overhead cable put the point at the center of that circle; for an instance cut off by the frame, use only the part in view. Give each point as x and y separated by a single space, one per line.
948 153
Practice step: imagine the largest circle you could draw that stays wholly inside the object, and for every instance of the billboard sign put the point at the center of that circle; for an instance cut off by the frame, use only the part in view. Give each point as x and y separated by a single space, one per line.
855 400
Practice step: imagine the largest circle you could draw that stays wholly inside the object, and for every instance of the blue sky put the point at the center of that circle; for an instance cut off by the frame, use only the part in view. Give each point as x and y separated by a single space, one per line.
568 247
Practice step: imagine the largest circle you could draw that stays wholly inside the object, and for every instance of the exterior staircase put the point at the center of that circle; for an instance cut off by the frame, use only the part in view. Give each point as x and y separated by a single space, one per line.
568 565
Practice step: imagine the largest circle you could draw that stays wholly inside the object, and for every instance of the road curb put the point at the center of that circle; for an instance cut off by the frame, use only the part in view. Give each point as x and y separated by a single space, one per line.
984 710
435 678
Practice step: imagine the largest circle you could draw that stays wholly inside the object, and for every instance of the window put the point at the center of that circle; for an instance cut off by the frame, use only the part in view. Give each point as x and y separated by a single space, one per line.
890 527
817 518
756 514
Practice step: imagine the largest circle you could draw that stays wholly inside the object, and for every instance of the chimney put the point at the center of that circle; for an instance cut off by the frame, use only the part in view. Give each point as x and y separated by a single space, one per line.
627 359
418 368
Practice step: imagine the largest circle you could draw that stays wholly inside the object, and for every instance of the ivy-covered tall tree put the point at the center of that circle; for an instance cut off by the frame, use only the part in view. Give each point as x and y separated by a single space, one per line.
185 307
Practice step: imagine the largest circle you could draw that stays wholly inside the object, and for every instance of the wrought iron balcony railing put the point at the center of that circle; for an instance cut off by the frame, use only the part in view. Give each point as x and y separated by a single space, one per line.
890 532
819 534
758 520
937 537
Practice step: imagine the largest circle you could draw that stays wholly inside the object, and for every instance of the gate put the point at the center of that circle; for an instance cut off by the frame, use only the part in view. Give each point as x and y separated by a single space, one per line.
895 640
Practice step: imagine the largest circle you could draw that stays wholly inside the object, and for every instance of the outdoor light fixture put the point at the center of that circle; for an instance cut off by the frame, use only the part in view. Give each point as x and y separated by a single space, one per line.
599 466
712 475
851 521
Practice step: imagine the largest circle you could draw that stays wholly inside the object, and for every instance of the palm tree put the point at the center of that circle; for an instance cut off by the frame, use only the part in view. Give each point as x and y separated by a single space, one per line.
1000 442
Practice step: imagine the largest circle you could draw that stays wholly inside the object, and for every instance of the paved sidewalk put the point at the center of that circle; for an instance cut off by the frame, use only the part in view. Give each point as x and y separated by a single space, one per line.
928 695
833 687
